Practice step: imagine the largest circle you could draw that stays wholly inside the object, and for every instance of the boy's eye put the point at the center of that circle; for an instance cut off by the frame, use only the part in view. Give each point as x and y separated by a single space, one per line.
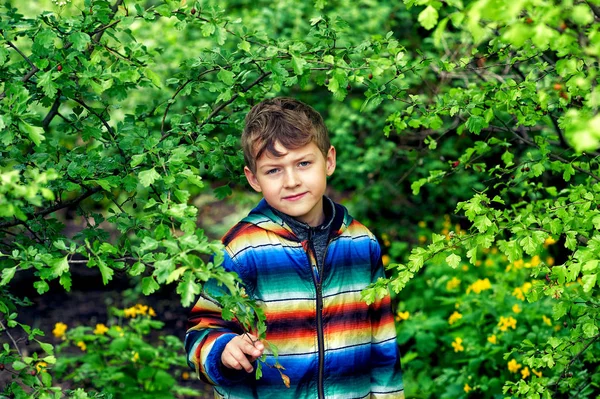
271 171
304 163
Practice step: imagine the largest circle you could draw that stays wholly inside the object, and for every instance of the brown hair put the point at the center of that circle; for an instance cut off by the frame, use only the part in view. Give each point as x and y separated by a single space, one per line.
285 120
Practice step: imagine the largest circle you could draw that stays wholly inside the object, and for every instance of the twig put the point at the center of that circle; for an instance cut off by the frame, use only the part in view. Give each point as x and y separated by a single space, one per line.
563 374
552 156
54 208
53 111
31 64
172 99
104 122
11 338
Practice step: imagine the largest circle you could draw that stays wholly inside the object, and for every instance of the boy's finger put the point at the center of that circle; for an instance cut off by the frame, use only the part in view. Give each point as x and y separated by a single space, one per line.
243 362
250 349
255 342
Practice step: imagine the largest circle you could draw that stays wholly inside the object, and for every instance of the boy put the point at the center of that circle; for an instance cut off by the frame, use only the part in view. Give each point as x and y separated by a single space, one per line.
305 261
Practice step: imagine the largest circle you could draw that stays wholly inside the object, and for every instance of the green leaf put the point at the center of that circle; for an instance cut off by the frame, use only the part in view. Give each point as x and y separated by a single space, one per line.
162 270
49 87
65 281
148 177
226 77
507 158
428 17
475 124
137 159
188 289
18 365
298 64
41 286
582 14
35 133
588 282
105 271
453 260
154 78
590 330
7 275
244 45
48 348
59 265
149 285
482 222
80 40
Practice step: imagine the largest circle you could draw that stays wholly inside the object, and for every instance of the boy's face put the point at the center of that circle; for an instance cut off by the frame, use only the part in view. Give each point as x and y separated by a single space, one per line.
295 182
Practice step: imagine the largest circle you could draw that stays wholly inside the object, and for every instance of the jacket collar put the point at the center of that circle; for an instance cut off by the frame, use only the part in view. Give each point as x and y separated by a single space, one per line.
267 218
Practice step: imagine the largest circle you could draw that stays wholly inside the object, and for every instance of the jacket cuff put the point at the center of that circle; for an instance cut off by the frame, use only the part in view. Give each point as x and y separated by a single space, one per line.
219 373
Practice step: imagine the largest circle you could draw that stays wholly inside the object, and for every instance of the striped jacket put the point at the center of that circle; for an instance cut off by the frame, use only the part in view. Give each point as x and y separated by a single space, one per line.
331 343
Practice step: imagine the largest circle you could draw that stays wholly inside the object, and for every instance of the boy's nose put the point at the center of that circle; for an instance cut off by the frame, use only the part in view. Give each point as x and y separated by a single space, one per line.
291 180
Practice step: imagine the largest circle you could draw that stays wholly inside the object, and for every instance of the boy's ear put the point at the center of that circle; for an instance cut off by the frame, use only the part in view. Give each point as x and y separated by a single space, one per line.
330 161
251 177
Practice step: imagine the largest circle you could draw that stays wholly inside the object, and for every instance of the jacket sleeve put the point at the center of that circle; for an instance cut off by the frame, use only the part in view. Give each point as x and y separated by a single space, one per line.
386 373
208 334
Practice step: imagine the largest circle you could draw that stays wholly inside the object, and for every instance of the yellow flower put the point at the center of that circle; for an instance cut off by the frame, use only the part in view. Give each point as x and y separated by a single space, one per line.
422 239
549 241
402 316
185 375
538 373
385 259
59 330
41 366
100 329
516 308
465 268
457 345
151 312
82 345
130 312
452 284
506 322
141 309
492 339
478 263
525 373
546 320
513 366
454 317
494 250
518 293
480 285
467 388
447 221
422 224
489 262
386 239
136 357
535 260
550 261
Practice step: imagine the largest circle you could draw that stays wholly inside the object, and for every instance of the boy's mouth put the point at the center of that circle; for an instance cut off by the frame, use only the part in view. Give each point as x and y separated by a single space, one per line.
294 197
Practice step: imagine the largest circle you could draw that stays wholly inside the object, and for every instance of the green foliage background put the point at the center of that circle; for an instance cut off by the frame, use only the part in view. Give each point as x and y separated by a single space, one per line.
466 131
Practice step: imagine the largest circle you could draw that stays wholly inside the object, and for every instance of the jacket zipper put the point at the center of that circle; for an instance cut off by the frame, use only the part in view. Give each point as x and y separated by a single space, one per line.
317 277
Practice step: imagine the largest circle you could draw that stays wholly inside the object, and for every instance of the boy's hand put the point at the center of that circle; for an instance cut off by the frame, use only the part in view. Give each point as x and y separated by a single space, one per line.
241 351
